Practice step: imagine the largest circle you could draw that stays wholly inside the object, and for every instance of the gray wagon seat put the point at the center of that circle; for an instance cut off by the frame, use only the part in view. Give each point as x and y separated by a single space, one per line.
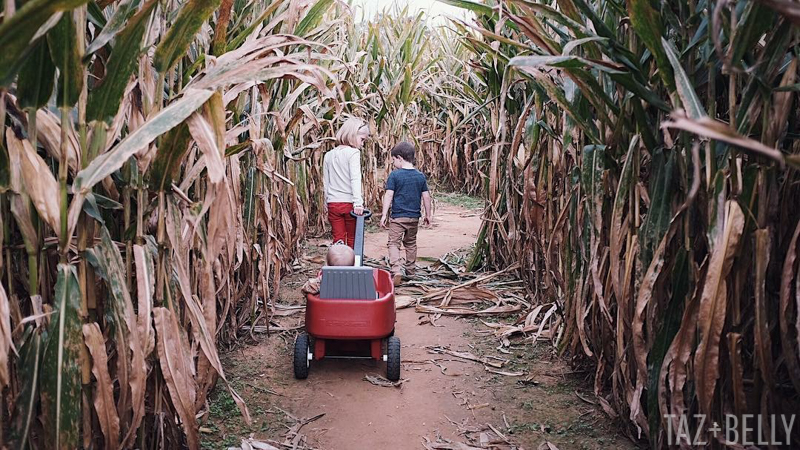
348 282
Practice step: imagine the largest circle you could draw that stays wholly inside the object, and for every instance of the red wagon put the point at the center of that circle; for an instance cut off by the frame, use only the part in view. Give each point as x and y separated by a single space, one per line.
353 316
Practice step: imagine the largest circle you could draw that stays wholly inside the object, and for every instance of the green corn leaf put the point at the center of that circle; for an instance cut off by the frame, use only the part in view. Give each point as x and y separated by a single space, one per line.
647 25
624 186
166 119
663 185
104 100
630 83
477 8
175 44
30 371
420 54
95 15
376 45
250 197
92 206
407 82
377 80
66 56
168 159
592 178
61 370
240 37
755 21
699 36
18 33
405 49
312 18
773 55
599 24
36 79
684 85
124 11
565 62
557 95
238 148
645 127
576 27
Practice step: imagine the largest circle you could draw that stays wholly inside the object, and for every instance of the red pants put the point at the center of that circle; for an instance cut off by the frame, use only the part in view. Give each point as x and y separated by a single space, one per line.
343 225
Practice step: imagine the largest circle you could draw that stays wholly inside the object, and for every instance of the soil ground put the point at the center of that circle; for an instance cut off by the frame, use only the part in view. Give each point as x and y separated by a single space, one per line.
445 401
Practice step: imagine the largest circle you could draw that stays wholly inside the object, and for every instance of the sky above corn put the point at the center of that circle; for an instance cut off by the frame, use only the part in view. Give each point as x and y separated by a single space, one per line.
437 12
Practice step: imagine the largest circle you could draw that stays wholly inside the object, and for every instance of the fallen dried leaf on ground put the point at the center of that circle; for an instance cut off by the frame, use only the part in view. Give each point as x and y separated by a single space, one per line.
378 380
455 311
483 437
293 438
468 356
501 372
251 444
404 301
288 310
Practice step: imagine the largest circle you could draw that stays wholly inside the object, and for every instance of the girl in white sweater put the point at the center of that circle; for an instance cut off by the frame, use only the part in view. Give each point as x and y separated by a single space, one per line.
341 176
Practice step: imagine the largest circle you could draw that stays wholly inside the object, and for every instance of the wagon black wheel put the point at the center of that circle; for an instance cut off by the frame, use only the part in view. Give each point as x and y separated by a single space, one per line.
301 361
393 358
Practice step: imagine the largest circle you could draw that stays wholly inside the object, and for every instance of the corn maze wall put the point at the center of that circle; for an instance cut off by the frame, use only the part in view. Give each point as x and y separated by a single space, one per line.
161 162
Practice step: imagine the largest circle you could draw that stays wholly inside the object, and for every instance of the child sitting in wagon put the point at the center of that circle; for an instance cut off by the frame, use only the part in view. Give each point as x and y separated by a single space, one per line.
339 254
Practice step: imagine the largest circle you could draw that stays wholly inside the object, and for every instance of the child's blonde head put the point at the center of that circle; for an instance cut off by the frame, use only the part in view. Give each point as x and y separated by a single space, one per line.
340 255
352 132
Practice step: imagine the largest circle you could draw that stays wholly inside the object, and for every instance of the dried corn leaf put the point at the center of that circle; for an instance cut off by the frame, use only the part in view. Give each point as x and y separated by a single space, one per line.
109 264
177 367
714 129
104 388
5 337
789 354
761 334
48 133
203 134
196 316
713 304
404 301
39 183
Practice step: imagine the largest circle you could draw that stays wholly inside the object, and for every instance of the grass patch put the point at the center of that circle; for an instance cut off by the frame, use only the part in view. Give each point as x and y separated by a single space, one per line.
221 405
461 200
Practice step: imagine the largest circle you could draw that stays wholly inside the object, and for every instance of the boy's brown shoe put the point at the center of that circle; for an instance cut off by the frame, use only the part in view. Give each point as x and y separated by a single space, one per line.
397 279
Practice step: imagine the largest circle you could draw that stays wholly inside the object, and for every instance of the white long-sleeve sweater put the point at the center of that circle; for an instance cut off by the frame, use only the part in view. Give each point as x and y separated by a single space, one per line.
341 175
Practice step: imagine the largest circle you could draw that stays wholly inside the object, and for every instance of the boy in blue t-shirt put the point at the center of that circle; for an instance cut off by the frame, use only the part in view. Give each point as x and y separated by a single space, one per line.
406 188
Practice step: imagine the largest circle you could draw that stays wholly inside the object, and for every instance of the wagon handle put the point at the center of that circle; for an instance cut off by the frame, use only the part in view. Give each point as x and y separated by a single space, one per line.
359 238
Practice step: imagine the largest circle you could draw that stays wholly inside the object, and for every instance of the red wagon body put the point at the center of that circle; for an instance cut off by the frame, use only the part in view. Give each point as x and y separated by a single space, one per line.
347 319
348 327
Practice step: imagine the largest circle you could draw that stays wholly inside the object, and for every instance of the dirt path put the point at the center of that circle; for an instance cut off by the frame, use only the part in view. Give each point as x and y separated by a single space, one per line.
445 400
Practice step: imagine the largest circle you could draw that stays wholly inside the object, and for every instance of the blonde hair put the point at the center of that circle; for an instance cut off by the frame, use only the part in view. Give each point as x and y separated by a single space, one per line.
340 255
348 133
